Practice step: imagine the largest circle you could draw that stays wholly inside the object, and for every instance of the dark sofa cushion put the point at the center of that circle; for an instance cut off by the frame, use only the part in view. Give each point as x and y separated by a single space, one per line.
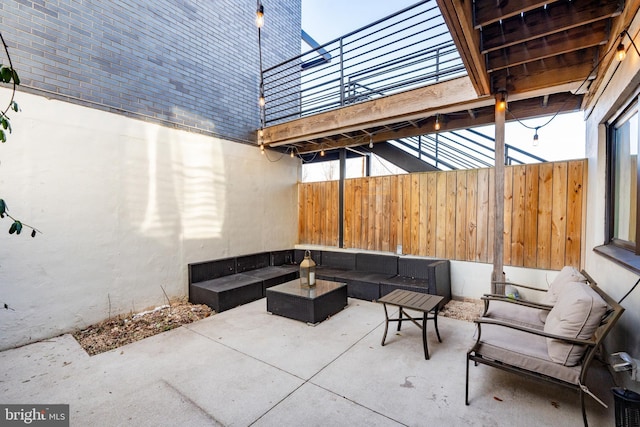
339 260
226 292
285 257
375 263
298 255
251 262
201 271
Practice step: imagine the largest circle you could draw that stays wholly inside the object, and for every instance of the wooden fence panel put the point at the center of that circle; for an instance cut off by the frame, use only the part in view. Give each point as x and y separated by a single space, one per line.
450 214
531 216
461 216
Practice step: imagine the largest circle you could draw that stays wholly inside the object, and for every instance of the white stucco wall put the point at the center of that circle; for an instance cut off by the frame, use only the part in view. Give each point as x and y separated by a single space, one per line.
616 280
124 206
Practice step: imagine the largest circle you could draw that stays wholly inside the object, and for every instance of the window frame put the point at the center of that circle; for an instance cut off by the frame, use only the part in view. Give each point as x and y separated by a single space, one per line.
621 251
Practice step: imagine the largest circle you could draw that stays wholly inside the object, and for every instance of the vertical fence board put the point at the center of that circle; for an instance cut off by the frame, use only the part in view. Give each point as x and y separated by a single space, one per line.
461 216
508 210
558 216
432 213
407 196
395 213
545 194
386 213
364 236
415 213
472 209
440 225
450 239
492 214
531 216
423 216
335 213
575 189
483 216
349 204
518 216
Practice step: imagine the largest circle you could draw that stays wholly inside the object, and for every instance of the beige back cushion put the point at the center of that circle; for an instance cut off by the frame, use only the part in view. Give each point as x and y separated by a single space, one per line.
577 314
567 276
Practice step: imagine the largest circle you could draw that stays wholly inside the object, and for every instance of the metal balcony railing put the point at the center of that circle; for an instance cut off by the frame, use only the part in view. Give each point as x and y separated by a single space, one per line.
462 149
408 49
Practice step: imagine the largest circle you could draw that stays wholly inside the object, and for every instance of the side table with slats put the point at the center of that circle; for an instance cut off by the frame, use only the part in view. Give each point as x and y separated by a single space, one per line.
425 303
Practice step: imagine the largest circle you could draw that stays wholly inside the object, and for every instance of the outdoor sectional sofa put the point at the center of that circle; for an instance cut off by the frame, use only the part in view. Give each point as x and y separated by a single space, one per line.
226 283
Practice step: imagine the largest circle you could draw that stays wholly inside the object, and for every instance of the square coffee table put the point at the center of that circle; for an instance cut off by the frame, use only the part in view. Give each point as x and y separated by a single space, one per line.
311 305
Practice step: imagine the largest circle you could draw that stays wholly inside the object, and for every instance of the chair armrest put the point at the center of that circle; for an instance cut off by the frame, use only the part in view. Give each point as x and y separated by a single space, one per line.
569 340
519 285
498 297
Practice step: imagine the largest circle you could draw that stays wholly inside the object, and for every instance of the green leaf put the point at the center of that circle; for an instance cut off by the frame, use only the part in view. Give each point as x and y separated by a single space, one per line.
3 207
16 79
15 107
6 74
3 136
12 229
33 233
18 225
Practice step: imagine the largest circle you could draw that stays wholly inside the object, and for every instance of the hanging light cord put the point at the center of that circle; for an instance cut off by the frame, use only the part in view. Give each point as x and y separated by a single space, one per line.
579 87
630 290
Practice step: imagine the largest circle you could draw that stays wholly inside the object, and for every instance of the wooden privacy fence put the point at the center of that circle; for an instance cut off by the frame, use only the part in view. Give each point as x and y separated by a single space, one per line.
450 214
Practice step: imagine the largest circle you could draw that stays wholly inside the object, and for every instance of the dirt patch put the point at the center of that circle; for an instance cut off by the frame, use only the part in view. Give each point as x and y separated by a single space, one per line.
462 310
115 332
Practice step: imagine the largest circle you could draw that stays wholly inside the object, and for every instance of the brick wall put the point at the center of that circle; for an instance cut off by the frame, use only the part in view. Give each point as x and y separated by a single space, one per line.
185 63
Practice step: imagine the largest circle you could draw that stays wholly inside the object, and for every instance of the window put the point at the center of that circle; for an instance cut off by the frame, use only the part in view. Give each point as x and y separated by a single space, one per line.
623 222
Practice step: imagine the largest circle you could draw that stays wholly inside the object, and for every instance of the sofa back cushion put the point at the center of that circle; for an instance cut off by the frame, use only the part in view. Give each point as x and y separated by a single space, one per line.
414 267
343 260
568 275
252 262
202 271
374 263
577 314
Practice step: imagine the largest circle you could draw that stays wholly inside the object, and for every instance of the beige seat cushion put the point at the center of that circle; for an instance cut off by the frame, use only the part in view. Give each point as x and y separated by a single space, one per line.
577 314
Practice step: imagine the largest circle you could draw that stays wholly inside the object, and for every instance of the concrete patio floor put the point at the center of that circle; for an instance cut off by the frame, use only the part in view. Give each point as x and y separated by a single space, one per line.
247 367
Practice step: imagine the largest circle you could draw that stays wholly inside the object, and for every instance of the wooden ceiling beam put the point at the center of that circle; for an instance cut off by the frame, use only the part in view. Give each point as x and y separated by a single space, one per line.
458 15
377 112
490 11
558 17
553 45
522 109
543 74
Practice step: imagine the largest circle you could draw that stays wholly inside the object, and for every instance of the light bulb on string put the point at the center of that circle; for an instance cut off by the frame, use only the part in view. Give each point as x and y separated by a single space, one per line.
370 141
535 137
621 53
260 16
502 102
436 126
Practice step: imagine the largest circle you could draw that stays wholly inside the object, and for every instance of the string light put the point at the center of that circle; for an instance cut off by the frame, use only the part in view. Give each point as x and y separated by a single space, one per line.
535 137
322 152
291 152
620 52
502 102
261 101
260 16
436 126
370 141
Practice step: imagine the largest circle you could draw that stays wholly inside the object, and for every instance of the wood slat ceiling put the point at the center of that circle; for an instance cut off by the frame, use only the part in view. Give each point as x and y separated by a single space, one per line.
521 45
546 55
